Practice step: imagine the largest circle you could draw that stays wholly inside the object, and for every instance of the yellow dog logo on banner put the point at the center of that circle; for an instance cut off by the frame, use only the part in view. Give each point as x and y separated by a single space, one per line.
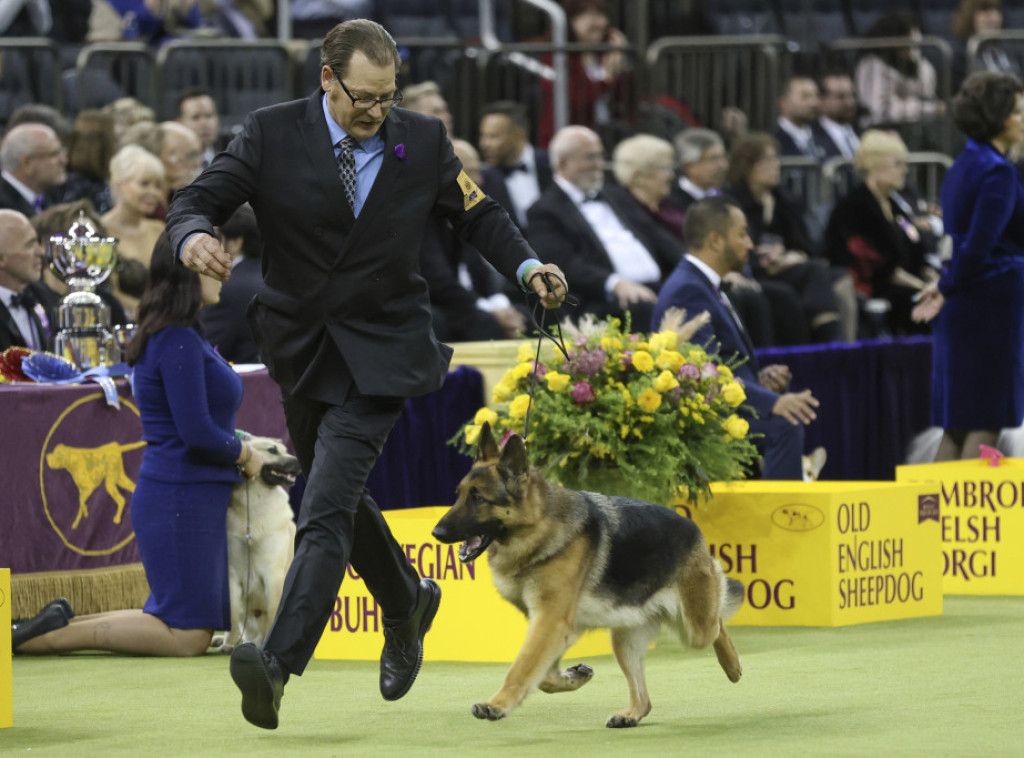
91 467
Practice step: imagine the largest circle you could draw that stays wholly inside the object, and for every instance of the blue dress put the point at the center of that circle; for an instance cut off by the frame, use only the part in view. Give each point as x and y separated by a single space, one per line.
187 398
978 336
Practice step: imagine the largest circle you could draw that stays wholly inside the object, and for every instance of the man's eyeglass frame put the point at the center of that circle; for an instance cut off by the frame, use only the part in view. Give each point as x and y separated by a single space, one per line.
360 103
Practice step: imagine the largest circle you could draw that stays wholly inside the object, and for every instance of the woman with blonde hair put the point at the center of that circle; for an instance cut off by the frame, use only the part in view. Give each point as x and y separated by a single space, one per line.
138 184
645 166
872 231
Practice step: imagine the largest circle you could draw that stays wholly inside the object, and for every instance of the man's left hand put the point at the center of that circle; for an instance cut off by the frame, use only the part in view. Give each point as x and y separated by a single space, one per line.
554 297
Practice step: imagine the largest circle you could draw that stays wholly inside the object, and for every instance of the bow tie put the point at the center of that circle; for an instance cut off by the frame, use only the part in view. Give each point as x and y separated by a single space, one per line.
24 300
509 170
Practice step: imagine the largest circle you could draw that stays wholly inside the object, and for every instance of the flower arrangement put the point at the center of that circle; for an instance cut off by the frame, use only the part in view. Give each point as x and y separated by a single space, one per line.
652 416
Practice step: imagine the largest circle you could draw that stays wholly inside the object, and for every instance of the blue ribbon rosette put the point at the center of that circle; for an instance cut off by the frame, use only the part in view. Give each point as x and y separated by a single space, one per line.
48 368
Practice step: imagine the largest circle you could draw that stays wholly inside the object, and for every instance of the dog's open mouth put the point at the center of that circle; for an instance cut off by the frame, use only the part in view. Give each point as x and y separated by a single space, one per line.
472 548
277 477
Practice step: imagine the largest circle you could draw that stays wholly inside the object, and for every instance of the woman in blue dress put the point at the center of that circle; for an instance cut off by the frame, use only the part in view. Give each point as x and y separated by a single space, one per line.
187 398
978 304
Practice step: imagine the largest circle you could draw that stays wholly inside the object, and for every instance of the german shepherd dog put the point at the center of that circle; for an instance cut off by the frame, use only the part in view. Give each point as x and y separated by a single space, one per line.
261 542
573 561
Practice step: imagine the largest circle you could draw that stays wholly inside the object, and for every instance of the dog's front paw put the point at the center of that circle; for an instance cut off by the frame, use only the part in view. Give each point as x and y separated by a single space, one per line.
619 721
489 712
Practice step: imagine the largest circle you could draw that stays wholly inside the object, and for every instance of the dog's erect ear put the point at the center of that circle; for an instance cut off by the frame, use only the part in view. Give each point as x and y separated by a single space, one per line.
514 460
487 448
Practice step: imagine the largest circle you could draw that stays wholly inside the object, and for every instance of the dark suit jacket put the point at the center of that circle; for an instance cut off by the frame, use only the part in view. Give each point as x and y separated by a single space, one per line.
687 287
11 198
494 182
11 336
562 235
824 147
679 198
344 295
225 325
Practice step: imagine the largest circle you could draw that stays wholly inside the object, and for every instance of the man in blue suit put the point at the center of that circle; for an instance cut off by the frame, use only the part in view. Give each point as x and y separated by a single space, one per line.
716 230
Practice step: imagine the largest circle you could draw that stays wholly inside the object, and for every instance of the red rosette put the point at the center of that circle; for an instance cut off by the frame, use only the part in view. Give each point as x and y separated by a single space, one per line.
10 364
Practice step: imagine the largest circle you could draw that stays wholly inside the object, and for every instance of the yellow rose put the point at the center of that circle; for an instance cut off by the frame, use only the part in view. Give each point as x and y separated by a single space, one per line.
472 432
736 427
642 361
526 352
608 344
649 400
657 342
671 339
733 393
503 390
670 360
724 371
666 381
556 382
522 370
517 408
486 415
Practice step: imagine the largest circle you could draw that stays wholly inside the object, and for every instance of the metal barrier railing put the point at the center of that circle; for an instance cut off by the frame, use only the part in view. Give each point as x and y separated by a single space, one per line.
710 74
30 72
925 172
128 67
984 51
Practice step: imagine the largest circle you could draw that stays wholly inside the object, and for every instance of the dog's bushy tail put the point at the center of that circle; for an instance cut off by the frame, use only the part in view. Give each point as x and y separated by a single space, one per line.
732 598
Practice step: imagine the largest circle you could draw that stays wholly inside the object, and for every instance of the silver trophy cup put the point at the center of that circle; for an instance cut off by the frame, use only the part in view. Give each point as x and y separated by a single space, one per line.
83 260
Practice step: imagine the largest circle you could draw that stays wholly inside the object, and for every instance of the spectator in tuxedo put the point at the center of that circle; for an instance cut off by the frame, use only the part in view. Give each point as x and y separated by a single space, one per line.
798 131
615 266
426 98
198 111
224 323
839 110
720 243
90 148
517 172
703 165
23 320
468 298
32 160
783 245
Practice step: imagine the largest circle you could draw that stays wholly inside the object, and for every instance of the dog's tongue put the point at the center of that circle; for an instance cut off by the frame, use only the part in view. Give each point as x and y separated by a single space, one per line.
469 549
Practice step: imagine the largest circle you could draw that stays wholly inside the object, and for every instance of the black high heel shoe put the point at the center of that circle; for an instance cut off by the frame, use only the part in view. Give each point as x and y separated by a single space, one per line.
53 616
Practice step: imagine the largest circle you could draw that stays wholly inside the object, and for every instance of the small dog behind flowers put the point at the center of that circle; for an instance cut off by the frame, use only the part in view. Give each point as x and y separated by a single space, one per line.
651 415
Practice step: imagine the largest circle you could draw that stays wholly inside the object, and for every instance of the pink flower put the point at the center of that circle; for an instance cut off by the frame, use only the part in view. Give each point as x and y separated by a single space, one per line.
539 368
709 370
582 393
689 371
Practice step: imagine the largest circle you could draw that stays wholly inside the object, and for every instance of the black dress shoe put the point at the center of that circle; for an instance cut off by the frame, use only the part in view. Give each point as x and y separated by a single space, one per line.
53 616
403 644
260 677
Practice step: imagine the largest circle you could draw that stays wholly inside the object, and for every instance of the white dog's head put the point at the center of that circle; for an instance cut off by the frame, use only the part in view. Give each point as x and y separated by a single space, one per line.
813 464
280 467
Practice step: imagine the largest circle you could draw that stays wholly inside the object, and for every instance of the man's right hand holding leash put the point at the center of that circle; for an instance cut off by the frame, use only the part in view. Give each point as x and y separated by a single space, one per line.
548 281
205 255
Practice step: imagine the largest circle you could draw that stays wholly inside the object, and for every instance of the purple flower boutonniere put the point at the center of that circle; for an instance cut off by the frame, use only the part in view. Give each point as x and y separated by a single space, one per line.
400 151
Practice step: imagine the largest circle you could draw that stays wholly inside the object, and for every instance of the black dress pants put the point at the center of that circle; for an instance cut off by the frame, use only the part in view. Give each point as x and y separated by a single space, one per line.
339 522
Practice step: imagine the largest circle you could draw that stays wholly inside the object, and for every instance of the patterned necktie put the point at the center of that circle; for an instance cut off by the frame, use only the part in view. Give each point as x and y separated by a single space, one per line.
347 169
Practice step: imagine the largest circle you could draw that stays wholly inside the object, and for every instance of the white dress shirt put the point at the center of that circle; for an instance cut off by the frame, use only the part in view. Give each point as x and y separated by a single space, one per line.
523 185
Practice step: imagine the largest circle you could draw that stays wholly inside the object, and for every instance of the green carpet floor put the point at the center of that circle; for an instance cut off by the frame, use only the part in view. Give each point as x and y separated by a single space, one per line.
946 686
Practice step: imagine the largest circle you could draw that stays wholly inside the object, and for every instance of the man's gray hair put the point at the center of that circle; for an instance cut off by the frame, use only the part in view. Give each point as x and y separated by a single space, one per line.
691 144
21 142
565 141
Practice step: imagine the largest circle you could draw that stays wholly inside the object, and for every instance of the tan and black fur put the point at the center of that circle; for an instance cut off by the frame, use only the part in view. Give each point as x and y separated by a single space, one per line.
573 561
261 543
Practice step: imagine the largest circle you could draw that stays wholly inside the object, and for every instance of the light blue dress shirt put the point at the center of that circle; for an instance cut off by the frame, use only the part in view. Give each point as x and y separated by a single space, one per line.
369 157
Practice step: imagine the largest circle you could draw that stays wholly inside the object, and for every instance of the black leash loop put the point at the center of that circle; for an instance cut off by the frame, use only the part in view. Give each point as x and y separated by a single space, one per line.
558 341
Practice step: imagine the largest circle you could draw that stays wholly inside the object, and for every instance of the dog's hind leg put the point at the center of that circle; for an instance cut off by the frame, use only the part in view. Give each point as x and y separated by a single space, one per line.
728 658
566 680
630 647
700 594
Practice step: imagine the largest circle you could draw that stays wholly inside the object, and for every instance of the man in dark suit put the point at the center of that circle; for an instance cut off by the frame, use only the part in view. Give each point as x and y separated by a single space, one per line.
224 323
720 243
343 185
32 160
839 110
518 172
23 320
798 130
613 265
703 165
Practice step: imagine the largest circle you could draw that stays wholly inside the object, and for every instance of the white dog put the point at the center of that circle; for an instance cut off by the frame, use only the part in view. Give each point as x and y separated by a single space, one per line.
261 542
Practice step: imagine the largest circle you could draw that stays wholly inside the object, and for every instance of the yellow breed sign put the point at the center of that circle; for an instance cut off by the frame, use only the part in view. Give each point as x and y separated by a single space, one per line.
826 553
981 511
473 623
6 685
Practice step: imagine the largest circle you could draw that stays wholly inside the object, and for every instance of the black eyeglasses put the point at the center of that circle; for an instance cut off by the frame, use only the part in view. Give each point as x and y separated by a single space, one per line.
366 103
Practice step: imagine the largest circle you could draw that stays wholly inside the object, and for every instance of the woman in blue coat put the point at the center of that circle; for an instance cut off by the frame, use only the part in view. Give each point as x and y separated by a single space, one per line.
978 304
187 397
